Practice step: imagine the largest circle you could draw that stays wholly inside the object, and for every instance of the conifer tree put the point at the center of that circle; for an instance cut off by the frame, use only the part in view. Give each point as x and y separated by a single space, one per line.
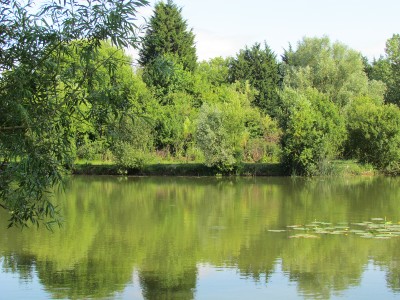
168 33
260 67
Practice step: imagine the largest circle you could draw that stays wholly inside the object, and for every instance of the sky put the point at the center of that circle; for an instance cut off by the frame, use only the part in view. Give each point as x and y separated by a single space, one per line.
223 27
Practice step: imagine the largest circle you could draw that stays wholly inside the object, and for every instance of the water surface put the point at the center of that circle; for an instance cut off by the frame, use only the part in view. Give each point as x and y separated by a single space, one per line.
207 238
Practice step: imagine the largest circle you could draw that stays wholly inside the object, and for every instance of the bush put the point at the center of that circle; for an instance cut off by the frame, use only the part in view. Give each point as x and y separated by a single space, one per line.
263 140
272 134
255 150
127 157
313 132
194 154
132 142
94 150
218 136
374 134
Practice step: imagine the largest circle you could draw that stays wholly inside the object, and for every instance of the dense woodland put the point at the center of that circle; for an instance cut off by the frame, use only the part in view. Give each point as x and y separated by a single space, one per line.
318 102
70 93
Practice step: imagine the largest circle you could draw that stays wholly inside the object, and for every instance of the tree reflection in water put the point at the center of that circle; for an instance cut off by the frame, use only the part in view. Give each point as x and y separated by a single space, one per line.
165 227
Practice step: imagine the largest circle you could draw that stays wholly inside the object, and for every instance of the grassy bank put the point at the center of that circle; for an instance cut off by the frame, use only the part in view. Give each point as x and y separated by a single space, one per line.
339 168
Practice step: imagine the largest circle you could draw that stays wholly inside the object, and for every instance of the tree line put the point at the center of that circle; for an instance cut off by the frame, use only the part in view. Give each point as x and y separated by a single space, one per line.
320 101
69 92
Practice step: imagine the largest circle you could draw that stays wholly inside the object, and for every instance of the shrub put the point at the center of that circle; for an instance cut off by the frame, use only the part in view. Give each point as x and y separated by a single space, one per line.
374 134
132 142
313 132
255 150
128 157
218 136
94 150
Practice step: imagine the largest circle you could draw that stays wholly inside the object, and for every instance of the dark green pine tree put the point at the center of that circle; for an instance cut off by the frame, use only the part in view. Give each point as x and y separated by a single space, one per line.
260 68
168 34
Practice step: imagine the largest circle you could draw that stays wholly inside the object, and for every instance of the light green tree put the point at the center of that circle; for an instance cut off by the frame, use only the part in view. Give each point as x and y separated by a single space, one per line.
332 68
387 69
215 71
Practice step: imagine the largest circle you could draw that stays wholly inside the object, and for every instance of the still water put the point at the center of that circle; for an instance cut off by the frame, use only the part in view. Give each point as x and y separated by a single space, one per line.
209 238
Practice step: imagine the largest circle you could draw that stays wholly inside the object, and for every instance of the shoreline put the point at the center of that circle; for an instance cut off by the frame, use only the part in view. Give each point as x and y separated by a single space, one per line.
339 169
179 169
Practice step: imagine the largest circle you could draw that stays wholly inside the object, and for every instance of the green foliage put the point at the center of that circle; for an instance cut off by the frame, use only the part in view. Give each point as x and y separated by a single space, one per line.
332 69
94 150
353 168
65 91
136 131
393 55
313 131
42 93
168 34
374 134
387 69
259 67
129 157
367 67
256 150
132 142
173 124
113 90
272 135
247 132
210 82
116 94
218 135
165 75
263 143
215 71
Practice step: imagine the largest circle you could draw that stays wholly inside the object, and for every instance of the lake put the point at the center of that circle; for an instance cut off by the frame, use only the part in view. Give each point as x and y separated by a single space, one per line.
211 238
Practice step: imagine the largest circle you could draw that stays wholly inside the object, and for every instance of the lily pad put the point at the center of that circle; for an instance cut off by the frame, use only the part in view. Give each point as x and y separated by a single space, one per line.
337 232
356 231
299 228
359 224
384 235
304 236
366 229
367 236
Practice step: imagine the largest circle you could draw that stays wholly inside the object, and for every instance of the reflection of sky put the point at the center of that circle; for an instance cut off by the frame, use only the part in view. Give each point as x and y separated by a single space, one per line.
218 283
13 287
372 286
227 283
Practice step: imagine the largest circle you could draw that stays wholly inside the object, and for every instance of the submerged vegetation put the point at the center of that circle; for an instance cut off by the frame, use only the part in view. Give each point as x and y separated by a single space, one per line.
71 94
